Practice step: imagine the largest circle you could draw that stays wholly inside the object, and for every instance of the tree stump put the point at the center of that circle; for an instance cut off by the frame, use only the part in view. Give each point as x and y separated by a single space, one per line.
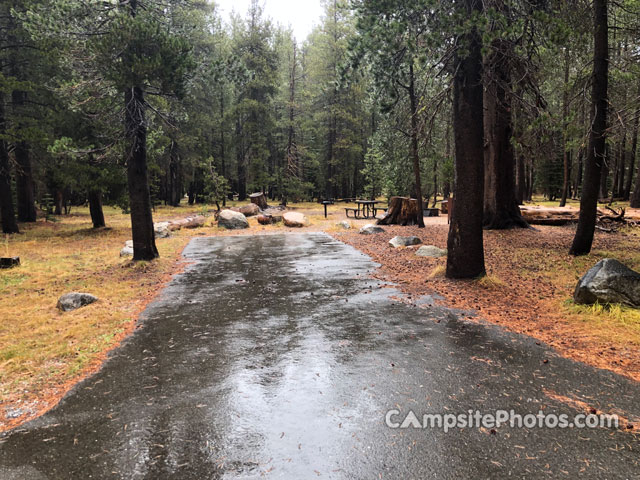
260 200
402 211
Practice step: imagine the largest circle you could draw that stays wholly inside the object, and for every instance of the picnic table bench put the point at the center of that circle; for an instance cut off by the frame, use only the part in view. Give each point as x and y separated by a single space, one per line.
366 209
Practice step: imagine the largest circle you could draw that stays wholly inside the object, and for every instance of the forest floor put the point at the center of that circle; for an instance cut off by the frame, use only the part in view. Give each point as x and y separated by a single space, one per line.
44 352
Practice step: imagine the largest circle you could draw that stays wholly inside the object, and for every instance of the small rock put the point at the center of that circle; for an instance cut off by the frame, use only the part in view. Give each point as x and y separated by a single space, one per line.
15 413
431 251
295 220
370 229
74 300
249 210
609 281
161 229
232 220
398 241
344 224
9 262
127 251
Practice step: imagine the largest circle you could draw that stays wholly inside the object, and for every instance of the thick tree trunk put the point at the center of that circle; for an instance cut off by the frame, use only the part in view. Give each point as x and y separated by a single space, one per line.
414 143
465 243
144 245
9 224
58 202
95 208
597 138
501 210
402 211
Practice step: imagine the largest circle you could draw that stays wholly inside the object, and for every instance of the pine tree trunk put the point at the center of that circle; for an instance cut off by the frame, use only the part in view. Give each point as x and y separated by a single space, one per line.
465 243
24 173
414 144
175 177
565 114
632 157
95 208
501 210
521 183
144 245
9 224
583 239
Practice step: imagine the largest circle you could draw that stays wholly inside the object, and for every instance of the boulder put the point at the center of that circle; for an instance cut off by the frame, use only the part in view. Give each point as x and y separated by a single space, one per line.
609 281
398 241
370 229
161 229
295 220
344 224
431 251
276 214
249 210
127 250
75 300
232 220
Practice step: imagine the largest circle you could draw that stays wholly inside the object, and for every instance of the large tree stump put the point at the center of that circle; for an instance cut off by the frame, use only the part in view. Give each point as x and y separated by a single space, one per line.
260 200
402 211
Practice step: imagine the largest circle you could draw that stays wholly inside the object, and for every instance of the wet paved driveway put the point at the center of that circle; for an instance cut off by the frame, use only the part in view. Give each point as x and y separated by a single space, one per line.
277 357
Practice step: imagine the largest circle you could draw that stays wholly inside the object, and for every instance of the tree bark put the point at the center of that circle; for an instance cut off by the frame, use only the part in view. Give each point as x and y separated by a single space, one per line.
402 211
583 239
9 224
465 243
24 173
632 157
501 210
95 208
565 114
259 199
414 143
175 176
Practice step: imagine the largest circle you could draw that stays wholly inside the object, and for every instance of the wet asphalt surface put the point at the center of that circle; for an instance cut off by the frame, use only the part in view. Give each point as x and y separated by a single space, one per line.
277 357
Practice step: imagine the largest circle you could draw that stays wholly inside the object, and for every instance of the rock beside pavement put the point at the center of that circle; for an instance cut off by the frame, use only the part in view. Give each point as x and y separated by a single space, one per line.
609 281
431 251
74 300
399 241
371 229
295 220
344 224
232 220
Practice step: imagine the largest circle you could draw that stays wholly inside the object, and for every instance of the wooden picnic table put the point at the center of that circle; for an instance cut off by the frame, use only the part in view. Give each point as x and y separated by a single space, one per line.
366 209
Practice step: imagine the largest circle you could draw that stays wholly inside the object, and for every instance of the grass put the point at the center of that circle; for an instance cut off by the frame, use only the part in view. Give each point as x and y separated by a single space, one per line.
40 345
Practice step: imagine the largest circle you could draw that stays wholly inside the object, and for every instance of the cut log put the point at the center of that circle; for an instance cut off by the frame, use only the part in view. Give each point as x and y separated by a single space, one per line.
402 211
260 200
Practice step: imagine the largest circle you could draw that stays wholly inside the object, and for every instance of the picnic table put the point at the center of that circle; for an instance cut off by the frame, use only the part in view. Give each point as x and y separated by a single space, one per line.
366 209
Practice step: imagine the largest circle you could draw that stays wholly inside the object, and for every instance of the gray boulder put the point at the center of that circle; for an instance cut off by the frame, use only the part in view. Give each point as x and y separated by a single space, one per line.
232 220
609 281
75 300
399 241
371 229
295 220
162 230
344 225
249 210
127 250
431 251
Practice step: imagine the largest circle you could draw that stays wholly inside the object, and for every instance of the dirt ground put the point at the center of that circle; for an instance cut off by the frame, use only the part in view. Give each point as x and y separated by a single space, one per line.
528 290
